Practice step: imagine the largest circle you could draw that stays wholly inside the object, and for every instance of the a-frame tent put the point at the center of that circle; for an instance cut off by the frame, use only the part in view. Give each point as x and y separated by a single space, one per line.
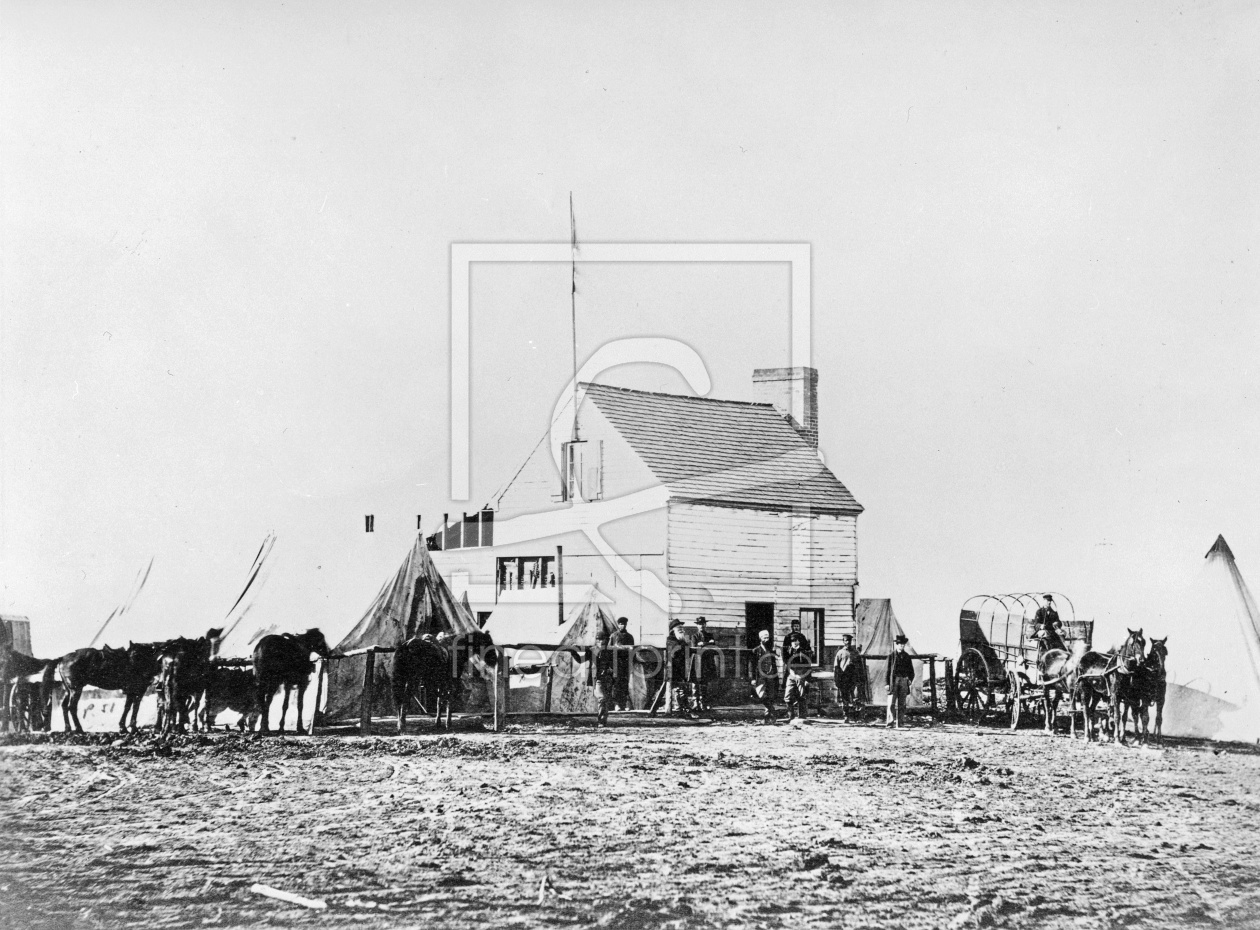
415 601
1213 654
876 628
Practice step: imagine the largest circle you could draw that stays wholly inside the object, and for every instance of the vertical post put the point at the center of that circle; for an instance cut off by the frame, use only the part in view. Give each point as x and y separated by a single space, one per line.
369 682
319 693
560 583
951 700
501 684
551 677
932 673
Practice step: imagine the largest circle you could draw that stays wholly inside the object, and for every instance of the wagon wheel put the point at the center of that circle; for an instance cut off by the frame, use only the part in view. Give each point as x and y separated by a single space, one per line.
1014 696
971 684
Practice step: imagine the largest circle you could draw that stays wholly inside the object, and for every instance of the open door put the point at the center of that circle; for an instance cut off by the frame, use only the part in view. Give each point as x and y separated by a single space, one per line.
758 616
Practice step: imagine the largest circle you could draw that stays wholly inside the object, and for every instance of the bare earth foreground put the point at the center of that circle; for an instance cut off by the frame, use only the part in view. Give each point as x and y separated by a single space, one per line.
820 825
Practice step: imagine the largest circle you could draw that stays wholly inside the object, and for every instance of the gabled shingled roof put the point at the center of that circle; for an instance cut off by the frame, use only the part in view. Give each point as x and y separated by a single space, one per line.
723 452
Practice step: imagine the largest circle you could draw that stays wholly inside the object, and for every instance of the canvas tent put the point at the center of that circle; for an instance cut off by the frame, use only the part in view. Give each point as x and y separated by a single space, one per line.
568 670
1214 654
876 627
415 601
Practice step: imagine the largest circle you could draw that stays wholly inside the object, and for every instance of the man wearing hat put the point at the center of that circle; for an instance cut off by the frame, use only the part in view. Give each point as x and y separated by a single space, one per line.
603 676
1049 627
798 662
848 677
765 675
704 667
676 656
622 643
899 678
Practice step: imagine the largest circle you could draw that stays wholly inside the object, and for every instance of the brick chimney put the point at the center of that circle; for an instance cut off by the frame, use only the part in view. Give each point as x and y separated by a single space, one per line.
794 393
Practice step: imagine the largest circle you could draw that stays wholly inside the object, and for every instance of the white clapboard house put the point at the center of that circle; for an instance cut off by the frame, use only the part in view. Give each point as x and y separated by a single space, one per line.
667 506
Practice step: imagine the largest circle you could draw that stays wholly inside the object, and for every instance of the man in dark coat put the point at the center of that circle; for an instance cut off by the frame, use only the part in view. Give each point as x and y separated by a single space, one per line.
765 675
798 662
623 644
1049 627
603 676
899 678
848 676
705 666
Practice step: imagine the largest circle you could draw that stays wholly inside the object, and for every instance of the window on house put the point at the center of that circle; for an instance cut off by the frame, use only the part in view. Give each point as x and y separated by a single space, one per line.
813 625
583 465
516 573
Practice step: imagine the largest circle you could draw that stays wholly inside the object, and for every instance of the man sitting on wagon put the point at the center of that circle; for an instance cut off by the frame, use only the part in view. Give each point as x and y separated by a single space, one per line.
1049 627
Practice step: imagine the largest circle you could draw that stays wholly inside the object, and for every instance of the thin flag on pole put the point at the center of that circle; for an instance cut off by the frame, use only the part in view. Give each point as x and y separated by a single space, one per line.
141 577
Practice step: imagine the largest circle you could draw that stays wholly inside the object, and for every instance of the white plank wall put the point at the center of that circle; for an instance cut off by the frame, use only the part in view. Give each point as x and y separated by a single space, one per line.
720 557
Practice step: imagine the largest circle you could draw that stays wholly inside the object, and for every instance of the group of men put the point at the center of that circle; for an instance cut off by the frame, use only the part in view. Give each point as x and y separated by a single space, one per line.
694 664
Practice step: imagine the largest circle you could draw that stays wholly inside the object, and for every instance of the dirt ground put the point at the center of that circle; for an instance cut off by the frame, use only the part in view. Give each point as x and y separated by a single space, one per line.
729 824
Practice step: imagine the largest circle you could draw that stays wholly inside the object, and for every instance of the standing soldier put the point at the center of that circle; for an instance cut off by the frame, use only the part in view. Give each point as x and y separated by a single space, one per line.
622 640
899 678
705 666
798 662
765 675
848 676
603 676
676 656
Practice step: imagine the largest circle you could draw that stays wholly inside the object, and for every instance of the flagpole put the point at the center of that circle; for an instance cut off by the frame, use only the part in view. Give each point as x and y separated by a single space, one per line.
573 308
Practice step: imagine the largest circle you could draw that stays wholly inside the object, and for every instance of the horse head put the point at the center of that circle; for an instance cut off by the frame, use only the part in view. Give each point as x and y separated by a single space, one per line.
314 642
1158 655
1132 653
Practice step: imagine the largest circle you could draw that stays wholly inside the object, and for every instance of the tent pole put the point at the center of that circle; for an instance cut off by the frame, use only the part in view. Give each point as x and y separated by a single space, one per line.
365 705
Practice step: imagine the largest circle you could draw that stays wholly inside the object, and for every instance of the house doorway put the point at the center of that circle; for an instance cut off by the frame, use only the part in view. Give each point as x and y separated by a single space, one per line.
758 616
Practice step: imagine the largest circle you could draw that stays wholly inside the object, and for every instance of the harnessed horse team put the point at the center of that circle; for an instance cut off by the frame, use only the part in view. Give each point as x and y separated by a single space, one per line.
1130 681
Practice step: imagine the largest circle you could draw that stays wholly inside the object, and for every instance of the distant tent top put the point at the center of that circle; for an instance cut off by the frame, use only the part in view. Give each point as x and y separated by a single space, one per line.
571 687
1214 654
415 601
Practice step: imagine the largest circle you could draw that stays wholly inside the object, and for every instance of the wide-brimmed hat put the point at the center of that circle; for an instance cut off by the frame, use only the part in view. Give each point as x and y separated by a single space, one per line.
675 623
701 621
1048 597
900 639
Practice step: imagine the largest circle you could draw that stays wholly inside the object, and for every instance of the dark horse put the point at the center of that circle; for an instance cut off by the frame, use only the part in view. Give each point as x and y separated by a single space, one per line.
129 670
29 685
1151 683
435 664
1125 695
184 670
285 659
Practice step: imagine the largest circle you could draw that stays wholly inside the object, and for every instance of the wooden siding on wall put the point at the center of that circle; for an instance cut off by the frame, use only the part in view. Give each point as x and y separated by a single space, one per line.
721 557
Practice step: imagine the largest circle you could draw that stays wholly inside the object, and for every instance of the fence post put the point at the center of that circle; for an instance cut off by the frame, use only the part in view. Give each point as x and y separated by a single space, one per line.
319 693
369 682
951 699
550 672
932 673
502 682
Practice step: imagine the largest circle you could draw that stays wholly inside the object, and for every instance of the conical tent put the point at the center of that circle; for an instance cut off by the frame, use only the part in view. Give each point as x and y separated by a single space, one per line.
569 671
1214 655
877 627
415 601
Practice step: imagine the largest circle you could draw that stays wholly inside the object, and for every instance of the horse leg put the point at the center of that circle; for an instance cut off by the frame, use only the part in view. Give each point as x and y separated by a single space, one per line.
284 706
301 689
266 692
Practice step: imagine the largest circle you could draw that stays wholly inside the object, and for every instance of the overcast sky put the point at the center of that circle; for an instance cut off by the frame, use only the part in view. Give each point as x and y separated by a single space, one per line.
224 283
